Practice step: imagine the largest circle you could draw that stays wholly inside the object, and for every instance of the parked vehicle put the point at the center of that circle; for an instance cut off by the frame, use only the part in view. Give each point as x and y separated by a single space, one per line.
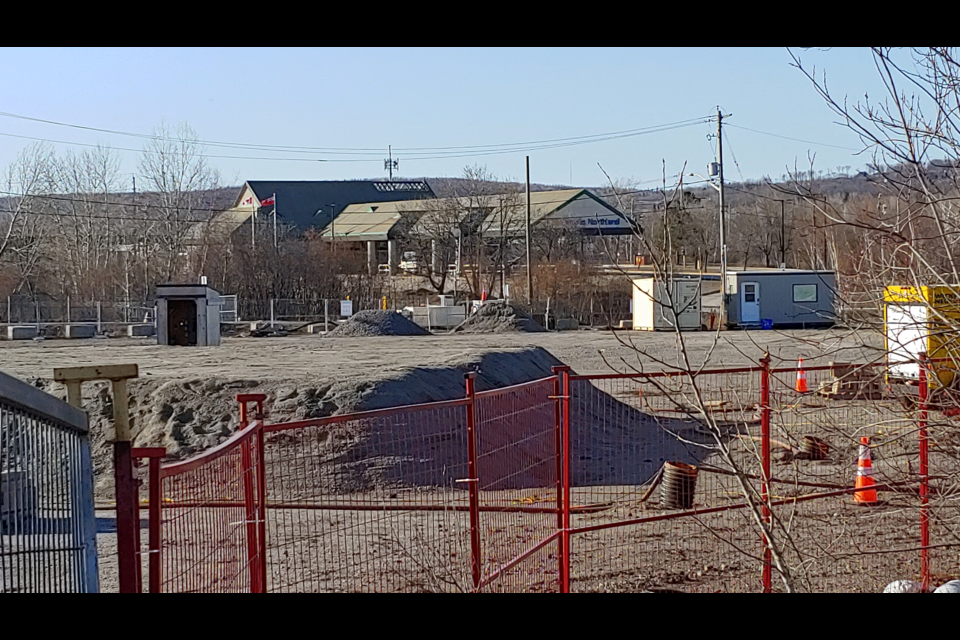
409 263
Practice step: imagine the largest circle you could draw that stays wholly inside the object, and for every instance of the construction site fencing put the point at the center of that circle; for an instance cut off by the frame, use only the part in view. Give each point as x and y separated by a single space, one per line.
308 310
44 310
47 524
721 480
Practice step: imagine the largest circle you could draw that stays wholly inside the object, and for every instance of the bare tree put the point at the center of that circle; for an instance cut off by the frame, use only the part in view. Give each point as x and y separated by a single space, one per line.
23 225
175 170
88 233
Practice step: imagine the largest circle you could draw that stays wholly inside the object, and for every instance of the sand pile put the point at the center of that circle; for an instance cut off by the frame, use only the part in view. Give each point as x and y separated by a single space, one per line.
498 317
379 323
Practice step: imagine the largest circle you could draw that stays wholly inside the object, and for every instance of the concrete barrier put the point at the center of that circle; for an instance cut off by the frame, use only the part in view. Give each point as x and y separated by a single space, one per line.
21 333
79 331
141 330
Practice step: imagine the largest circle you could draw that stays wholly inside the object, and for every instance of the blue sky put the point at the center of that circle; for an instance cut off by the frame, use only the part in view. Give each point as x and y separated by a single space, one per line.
366 99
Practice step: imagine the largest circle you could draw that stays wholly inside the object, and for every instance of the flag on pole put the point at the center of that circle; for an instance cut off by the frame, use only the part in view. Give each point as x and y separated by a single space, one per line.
271 200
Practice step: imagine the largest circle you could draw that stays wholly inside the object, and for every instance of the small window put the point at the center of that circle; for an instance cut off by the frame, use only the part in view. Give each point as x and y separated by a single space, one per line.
804 293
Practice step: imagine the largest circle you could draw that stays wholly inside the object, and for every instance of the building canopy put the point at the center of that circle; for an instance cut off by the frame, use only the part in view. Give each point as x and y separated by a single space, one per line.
492 214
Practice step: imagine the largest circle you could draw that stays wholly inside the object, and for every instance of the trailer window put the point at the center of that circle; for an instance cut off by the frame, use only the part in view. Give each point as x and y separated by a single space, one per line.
804 293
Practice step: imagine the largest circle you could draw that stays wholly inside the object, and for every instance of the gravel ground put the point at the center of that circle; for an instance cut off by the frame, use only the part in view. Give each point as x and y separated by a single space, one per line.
378 323
499 317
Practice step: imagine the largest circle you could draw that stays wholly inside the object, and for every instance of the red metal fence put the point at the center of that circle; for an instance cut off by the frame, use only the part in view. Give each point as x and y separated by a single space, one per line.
561 484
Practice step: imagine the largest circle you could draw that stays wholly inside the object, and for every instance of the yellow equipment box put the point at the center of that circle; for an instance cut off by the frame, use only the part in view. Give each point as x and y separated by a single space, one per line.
922 320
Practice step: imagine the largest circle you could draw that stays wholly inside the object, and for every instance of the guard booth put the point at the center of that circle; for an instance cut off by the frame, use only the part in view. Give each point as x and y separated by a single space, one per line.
922 320
188 315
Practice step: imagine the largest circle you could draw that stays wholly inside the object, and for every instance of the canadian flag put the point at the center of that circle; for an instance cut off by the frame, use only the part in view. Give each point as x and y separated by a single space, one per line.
248 200
268 201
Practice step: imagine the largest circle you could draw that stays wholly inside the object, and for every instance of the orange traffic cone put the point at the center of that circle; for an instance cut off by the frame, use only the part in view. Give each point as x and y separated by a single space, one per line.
801 377
865 475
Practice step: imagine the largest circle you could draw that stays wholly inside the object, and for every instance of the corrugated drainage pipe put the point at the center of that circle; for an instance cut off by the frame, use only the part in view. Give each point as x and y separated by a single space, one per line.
678 486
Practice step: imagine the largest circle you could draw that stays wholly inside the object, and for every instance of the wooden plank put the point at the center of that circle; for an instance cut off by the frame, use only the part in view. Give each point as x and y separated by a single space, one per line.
101 372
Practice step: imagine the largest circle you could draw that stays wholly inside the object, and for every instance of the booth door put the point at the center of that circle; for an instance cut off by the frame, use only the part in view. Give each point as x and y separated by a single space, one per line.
182 323
750 303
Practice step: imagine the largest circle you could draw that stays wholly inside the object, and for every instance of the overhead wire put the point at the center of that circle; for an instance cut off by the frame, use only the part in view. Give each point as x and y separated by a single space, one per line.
413 153
777 135
734 156
341 160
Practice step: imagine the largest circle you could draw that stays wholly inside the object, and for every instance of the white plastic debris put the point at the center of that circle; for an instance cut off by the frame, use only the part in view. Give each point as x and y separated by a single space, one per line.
902 586
951 587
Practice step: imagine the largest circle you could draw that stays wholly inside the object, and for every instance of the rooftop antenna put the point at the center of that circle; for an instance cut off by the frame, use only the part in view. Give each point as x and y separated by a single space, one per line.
389 163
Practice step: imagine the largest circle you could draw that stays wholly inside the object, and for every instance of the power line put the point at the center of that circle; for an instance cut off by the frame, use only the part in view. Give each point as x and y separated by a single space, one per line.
410 158
736 164
777 135
201 155
360 150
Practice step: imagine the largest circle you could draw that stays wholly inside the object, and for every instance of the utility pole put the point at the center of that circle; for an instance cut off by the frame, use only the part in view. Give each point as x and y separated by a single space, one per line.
723 224
389 163
783 255
333 226
502 249
529 272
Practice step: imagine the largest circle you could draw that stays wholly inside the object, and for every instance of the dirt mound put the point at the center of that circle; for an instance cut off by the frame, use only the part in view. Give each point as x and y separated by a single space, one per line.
379 323
499 317
189 416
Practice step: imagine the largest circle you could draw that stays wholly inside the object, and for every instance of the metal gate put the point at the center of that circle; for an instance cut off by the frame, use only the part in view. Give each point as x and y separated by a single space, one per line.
47 524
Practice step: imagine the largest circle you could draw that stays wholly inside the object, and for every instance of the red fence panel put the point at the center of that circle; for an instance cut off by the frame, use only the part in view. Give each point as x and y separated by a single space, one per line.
799 429
370 501
837 544
209 513
517 460
628 533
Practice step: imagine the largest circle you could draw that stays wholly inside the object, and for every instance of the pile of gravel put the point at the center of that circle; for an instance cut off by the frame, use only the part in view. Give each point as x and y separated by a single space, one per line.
379 323
498 317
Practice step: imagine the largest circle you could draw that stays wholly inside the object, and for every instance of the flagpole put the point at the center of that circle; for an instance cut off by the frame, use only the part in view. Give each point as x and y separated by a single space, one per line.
274 221
253 222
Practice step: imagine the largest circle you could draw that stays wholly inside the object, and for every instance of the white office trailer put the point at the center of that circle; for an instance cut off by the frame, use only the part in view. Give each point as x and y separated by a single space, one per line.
666 304
781 298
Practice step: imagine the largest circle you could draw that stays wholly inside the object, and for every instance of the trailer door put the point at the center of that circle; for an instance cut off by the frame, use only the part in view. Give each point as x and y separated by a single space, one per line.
750 303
